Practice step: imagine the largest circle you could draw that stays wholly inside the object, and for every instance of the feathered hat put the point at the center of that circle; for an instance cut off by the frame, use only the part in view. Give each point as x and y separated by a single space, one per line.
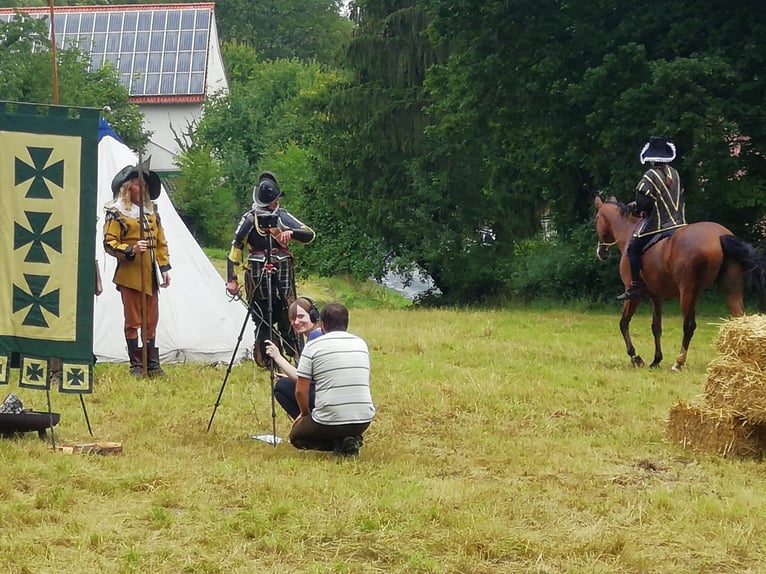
131 171
658 150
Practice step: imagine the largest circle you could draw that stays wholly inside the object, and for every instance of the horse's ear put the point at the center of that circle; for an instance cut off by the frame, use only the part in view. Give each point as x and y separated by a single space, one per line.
613 198
597 202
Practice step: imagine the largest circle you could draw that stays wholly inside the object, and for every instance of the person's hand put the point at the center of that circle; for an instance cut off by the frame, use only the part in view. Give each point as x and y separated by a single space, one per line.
632 207
283 237
165 279
232 287
271 349
141 245
297 419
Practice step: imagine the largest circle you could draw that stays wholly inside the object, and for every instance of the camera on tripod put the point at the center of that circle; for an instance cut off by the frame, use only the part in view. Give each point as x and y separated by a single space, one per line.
267 220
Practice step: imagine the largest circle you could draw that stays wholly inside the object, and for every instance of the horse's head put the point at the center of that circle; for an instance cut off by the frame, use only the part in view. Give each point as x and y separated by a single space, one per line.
605 213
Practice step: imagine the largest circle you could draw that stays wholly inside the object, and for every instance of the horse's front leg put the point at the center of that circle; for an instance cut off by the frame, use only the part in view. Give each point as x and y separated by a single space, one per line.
688 302
657 331
628 310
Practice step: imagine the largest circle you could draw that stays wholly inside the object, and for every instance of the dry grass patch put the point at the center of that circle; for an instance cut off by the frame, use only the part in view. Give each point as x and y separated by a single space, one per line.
505 441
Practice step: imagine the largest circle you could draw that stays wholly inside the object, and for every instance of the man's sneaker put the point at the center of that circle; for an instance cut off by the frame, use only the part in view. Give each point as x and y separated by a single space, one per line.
347 446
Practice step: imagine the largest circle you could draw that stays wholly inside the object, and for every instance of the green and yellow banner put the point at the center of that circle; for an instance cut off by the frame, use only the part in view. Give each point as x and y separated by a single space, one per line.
48 178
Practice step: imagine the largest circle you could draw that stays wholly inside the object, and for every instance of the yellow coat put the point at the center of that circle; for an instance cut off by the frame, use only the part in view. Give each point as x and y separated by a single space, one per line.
121 232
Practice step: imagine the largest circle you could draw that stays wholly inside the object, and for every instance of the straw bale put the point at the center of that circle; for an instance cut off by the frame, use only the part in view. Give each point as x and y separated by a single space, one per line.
737 386
703 429
744 338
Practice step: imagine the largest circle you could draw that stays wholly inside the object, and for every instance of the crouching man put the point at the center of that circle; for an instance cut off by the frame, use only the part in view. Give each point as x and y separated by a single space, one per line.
339 363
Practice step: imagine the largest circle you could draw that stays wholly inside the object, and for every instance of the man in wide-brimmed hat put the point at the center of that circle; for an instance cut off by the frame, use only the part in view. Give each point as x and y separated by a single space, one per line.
262 239
139 253
660 203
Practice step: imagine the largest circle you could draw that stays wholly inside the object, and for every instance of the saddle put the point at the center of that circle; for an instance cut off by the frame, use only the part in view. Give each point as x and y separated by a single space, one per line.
659 237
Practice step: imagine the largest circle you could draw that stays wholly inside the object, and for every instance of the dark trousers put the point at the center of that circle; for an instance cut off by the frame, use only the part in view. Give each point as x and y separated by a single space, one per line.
635 252
310 435
284 393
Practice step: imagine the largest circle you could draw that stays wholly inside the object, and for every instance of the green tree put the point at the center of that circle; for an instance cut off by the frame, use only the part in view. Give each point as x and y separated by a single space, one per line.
573 89
271 119
26 75
285 29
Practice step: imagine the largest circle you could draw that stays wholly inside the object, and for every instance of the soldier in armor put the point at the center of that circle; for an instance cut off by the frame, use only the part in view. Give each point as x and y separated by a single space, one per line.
140 254
659 202
261 243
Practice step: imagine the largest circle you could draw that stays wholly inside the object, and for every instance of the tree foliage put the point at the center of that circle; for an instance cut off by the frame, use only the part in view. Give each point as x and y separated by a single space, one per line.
465 123
26 75
271 119
285 29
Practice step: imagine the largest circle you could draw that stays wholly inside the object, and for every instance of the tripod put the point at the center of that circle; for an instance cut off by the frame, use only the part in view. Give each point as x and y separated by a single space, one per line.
268 270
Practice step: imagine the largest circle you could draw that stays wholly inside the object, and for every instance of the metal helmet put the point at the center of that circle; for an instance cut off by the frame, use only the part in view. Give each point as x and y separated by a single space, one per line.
267 190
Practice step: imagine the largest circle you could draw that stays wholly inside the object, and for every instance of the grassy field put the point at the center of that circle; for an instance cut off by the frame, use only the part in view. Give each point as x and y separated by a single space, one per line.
505 441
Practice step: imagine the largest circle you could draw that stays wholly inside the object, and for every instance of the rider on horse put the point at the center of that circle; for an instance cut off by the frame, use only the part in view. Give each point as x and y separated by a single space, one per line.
660 203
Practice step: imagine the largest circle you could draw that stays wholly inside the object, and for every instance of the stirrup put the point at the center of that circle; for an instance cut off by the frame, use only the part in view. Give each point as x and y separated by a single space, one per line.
631 292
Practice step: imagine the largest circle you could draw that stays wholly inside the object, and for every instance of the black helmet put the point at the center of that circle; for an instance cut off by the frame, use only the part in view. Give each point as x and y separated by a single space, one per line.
267 190
131 171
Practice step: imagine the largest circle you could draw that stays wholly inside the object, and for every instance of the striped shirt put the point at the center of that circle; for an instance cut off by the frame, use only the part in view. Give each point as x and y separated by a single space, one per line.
339 363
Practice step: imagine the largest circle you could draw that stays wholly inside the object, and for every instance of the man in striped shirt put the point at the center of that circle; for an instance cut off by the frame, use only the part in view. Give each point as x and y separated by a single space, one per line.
339 363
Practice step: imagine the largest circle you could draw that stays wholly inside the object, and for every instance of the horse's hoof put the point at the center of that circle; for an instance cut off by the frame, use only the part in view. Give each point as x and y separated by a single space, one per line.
676 368
637 361
655 365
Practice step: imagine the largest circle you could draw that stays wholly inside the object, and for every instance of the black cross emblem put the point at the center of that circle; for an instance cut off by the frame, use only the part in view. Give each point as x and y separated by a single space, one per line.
39 172
75 377
37 236
35 300
35 372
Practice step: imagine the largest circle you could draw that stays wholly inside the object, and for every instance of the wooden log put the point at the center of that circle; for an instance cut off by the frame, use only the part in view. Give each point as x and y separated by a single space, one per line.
91 448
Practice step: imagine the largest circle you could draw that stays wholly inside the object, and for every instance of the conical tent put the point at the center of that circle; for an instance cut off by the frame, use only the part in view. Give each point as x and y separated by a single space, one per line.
197 323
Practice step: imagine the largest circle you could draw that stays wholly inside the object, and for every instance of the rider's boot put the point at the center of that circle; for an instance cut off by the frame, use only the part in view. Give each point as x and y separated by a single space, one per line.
632 292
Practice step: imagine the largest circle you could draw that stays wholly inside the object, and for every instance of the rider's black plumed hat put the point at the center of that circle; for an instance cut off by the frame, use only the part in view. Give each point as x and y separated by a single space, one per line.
658 150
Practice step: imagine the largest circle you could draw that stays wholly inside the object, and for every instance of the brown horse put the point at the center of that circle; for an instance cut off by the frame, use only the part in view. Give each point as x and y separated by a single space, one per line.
681 266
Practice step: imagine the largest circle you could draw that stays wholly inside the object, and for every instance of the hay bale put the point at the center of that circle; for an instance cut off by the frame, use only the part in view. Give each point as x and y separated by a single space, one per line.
737 386
717 431
744 338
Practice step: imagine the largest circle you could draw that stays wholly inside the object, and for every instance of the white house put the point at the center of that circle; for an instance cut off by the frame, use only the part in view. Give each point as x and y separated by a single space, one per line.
167 54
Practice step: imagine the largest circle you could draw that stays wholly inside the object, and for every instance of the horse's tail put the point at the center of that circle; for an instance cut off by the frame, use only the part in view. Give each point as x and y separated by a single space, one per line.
753 261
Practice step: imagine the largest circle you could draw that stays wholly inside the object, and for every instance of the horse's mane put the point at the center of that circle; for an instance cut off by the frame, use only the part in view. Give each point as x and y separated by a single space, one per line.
620 205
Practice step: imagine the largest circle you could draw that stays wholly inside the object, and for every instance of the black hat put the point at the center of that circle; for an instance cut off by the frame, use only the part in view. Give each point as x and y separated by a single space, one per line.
658 150
131 171
267 190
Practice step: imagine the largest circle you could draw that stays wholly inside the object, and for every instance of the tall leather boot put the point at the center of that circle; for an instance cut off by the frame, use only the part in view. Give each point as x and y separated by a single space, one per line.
153 360
136 358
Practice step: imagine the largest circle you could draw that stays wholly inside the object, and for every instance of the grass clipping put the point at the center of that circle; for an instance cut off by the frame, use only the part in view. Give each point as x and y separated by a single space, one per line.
732 420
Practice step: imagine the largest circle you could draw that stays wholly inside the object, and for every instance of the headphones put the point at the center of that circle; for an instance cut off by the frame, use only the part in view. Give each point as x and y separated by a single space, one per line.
313 311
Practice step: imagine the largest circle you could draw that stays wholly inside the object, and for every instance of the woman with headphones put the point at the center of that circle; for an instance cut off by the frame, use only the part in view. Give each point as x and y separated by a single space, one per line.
304 318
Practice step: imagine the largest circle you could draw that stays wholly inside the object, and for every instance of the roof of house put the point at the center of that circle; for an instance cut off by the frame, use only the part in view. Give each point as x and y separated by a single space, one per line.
160 50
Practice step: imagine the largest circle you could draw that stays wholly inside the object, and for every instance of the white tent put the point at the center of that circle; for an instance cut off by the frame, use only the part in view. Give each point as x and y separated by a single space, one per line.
197 323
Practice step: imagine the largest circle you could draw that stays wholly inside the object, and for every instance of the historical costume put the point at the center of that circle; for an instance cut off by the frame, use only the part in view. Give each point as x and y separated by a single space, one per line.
659 201
142 256
261 241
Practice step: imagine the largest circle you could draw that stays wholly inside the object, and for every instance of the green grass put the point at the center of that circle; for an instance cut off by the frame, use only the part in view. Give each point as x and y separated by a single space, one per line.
505 441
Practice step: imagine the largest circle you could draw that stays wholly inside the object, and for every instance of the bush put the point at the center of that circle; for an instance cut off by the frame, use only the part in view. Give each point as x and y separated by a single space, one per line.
564 269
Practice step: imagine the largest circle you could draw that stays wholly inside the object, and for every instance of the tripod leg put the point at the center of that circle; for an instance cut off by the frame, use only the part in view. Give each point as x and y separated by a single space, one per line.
50 418
272 376
85 412
231 362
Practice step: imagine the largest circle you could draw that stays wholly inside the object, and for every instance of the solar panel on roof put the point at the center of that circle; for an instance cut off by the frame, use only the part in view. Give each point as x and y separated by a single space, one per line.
157 52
